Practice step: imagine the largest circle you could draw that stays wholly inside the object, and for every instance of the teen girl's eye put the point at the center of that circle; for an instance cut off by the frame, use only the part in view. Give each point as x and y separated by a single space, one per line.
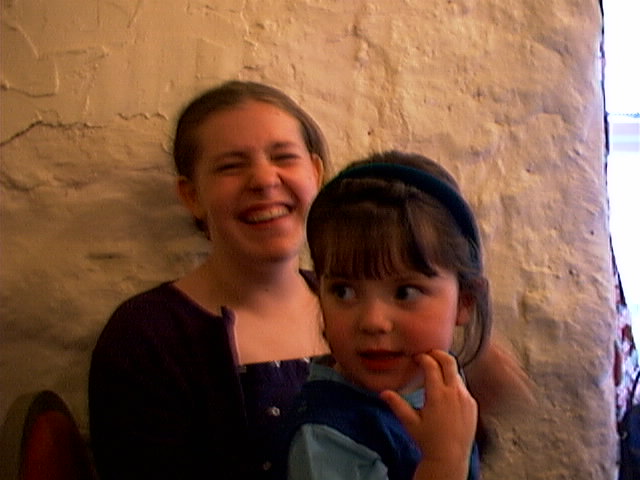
285 156
227 164
287 151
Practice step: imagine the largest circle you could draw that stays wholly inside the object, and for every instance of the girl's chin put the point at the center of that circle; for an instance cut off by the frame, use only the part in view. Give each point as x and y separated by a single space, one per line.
380 381
379 385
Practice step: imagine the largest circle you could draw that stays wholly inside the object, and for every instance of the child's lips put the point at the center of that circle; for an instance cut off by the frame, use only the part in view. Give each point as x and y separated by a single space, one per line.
379 360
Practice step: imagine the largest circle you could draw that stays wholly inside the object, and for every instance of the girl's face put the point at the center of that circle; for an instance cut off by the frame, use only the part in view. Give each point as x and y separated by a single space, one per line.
254 182
376 327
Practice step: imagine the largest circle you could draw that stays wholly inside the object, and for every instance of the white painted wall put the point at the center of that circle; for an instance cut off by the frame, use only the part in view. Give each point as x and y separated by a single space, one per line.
506 93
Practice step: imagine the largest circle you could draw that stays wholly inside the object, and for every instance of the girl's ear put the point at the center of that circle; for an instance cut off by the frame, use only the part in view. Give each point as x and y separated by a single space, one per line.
318 166
188 193
466 305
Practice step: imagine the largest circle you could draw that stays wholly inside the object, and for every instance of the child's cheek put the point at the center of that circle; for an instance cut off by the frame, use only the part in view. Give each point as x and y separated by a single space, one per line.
422 340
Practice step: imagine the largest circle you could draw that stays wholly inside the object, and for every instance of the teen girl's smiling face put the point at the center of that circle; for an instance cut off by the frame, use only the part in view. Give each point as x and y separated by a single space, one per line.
254 181
376 326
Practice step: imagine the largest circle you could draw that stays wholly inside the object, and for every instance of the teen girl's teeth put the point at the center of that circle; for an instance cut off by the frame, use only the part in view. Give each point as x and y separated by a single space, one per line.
267 214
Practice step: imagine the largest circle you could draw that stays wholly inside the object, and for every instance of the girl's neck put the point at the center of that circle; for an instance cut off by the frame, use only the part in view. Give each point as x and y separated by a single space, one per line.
251 287
277 316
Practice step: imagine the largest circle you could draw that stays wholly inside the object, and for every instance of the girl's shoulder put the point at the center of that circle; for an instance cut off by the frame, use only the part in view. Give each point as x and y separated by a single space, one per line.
162 312
162 300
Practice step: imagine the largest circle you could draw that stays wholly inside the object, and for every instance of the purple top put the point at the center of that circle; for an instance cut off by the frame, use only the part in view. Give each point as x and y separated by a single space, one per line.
167 400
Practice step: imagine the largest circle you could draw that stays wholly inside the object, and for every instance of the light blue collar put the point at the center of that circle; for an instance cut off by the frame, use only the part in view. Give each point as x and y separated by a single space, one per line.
321 371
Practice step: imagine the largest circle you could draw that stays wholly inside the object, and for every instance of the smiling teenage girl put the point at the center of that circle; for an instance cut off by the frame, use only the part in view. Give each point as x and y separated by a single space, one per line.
397 254
189 379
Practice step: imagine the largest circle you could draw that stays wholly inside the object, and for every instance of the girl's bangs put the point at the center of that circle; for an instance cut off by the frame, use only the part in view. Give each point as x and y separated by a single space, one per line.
368 240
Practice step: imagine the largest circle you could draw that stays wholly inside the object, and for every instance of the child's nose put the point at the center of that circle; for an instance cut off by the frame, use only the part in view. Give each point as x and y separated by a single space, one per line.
374 317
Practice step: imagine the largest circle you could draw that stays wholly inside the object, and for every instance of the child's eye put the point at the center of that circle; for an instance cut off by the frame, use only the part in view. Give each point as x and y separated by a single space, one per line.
408 292
342 291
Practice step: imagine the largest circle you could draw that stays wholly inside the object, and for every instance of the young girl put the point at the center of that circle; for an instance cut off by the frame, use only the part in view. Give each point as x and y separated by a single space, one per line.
397 253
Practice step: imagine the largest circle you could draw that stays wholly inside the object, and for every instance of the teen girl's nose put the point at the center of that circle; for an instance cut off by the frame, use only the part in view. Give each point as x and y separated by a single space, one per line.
373 317
263 173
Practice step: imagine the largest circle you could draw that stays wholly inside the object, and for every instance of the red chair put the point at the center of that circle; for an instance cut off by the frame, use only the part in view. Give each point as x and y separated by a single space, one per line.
41 441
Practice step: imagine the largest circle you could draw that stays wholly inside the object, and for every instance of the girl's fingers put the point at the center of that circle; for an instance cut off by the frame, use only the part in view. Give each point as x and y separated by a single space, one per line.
446 425
438 367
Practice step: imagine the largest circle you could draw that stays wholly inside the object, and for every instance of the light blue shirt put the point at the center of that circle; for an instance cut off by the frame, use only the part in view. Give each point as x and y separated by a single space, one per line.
319 452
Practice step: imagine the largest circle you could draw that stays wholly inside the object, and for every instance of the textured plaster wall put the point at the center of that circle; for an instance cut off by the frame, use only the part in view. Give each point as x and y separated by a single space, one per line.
505 93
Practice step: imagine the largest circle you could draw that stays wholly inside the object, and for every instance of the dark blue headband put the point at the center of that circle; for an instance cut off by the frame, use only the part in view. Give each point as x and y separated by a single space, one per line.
425 182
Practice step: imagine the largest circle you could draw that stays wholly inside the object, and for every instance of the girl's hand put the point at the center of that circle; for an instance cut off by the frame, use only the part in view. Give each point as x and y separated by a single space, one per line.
445 427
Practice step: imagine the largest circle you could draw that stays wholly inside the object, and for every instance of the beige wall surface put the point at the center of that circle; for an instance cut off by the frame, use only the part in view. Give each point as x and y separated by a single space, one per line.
505 93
